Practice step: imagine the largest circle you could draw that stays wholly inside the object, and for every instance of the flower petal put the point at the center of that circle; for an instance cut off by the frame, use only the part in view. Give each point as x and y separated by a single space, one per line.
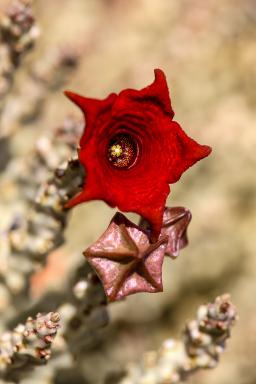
92 109
162 150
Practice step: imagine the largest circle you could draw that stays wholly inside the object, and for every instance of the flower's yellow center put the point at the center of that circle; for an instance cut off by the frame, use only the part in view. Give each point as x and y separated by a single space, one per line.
116 150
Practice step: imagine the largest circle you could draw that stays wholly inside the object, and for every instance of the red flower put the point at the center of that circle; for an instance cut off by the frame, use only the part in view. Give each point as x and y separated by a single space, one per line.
132 150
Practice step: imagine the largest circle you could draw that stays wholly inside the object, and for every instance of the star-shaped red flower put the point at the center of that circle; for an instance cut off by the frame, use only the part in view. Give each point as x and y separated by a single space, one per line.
126 261
132 150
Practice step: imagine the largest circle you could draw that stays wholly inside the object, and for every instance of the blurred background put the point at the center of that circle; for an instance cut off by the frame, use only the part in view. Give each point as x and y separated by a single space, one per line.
207 50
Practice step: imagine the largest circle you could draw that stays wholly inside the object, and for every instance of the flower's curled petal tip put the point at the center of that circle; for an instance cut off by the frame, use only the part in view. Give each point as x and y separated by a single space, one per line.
77 99
199 152
87 103
188 152
207 150
67 93
160 78
74 201
82 197
159 90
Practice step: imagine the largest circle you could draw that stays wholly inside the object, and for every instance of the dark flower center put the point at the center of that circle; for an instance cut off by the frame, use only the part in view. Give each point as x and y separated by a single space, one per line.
122 151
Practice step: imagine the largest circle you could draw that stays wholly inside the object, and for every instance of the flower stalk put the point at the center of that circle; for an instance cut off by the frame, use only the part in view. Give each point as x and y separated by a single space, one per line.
204 340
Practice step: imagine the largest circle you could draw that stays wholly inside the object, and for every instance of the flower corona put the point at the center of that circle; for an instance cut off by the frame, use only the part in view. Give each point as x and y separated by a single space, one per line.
123 151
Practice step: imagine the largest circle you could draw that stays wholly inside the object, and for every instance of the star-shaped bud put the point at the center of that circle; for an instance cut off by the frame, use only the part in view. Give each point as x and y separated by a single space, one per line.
175 224
126 261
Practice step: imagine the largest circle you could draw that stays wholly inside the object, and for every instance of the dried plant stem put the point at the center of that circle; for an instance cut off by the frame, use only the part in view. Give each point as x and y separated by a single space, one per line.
46 75
84 310
27 345
203 342
18 33
39 229
83 313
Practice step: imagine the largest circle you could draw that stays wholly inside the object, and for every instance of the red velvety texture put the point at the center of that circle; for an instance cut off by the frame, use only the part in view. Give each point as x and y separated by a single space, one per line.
165 151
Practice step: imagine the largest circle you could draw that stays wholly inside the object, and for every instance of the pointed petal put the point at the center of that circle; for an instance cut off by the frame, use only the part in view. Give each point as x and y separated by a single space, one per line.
188 152
85 195
90 107
156 94
159 90
82 102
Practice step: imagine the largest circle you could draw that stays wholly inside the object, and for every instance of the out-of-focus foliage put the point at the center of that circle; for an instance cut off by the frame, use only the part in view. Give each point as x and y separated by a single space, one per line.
208 52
